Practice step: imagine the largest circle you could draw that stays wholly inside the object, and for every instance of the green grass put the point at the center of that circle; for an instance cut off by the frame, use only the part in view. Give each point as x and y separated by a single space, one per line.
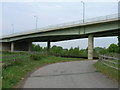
112 64
108 71
12 75
8 56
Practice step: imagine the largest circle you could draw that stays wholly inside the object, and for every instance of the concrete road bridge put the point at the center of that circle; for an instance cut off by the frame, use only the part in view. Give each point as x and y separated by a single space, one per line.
89 28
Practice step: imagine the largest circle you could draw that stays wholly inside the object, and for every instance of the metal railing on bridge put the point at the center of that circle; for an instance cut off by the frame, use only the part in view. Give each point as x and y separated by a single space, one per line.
80 22
74 23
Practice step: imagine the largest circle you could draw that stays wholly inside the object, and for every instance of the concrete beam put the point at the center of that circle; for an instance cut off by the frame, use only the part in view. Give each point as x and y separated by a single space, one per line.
90 47
48 46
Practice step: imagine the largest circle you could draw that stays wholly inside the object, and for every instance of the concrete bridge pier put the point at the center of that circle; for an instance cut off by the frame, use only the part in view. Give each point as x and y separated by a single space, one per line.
5 46
12 46
48 47
29 46
90 46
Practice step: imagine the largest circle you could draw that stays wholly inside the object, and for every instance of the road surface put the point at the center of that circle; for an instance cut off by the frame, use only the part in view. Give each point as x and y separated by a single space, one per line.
77 74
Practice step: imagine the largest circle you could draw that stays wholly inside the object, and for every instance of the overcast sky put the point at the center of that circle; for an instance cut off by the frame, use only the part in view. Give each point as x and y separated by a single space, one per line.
21 14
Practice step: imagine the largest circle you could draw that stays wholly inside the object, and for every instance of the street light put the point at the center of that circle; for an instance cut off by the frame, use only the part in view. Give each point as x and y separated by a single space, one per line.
36 21
83 11
12 28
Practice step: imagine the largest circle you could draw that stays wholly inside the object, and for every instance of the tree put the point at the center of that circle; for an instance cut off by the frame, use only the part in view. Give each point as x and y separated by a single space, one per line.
36 47
56 50
118 41
113 48
100 50
119 44
76 51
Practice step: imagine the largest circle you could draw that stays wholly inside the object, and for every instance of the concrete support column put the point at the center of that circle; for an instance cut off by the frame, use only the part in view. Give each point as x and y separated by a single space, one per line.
90 46
12 46
29 46
48 46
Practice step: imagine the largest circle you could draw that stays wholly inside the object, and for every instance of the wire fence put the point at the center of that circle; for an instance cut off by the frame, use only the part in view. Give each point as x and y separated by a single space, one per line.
12 59
110 61
17 56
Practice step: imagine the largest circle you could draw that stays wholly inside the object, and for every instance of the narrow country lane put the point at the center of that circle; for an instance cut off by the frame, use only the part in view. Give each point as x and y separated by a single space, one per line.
77 74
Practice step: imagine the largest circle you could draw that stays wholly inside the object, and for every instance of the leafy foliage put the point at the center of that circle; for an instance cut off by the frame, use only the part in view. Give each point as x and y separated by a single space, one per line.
118 41
37 56
36 48
118 44
77 52
113 48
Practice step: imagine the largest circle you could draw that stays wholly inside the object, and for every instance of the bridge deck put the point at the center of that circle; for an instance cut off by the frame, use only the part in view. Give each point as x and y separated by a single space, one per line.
90 21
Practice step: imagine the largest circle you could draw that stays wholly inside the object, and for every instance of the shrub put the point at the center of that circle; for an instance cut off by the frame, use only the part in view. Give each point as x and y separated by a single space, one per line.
36 56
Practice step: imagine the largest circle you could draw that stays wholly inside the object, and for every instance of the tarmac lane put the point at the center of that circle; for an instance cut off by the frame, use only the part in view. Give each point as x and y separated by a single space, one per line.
76 74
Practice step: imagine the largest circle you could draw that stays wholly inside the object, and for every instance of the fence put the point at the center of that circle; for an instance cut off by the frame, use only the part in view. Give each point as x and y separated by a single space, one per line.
17 56
12 59
110 61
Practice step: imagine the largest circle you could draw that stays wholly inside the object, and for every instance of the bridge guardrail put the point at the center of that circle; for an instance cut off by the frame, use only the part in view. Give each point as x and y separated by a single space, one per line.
101 18
107 59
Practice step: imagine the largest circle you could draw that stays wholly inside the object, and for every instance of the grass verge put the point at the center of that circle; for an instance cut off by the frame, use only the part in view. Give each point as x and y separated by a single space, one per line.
13 74
108 71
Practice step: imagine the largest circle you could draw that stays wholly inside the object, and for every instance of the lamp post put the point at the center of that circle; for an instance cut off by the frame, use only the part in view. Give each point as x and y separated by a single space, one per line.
12 28
36 21
83 11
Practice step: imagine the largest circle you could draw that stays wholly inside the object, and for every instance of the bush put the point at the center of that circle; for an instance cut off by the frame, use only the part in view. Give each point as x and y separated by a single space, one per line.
36 57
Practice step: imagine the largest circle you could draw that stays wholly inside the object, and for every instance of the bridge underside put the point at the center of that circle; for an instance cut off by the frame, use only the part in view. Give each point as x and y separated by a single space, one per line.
24 42
25 45
55 38
16 46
